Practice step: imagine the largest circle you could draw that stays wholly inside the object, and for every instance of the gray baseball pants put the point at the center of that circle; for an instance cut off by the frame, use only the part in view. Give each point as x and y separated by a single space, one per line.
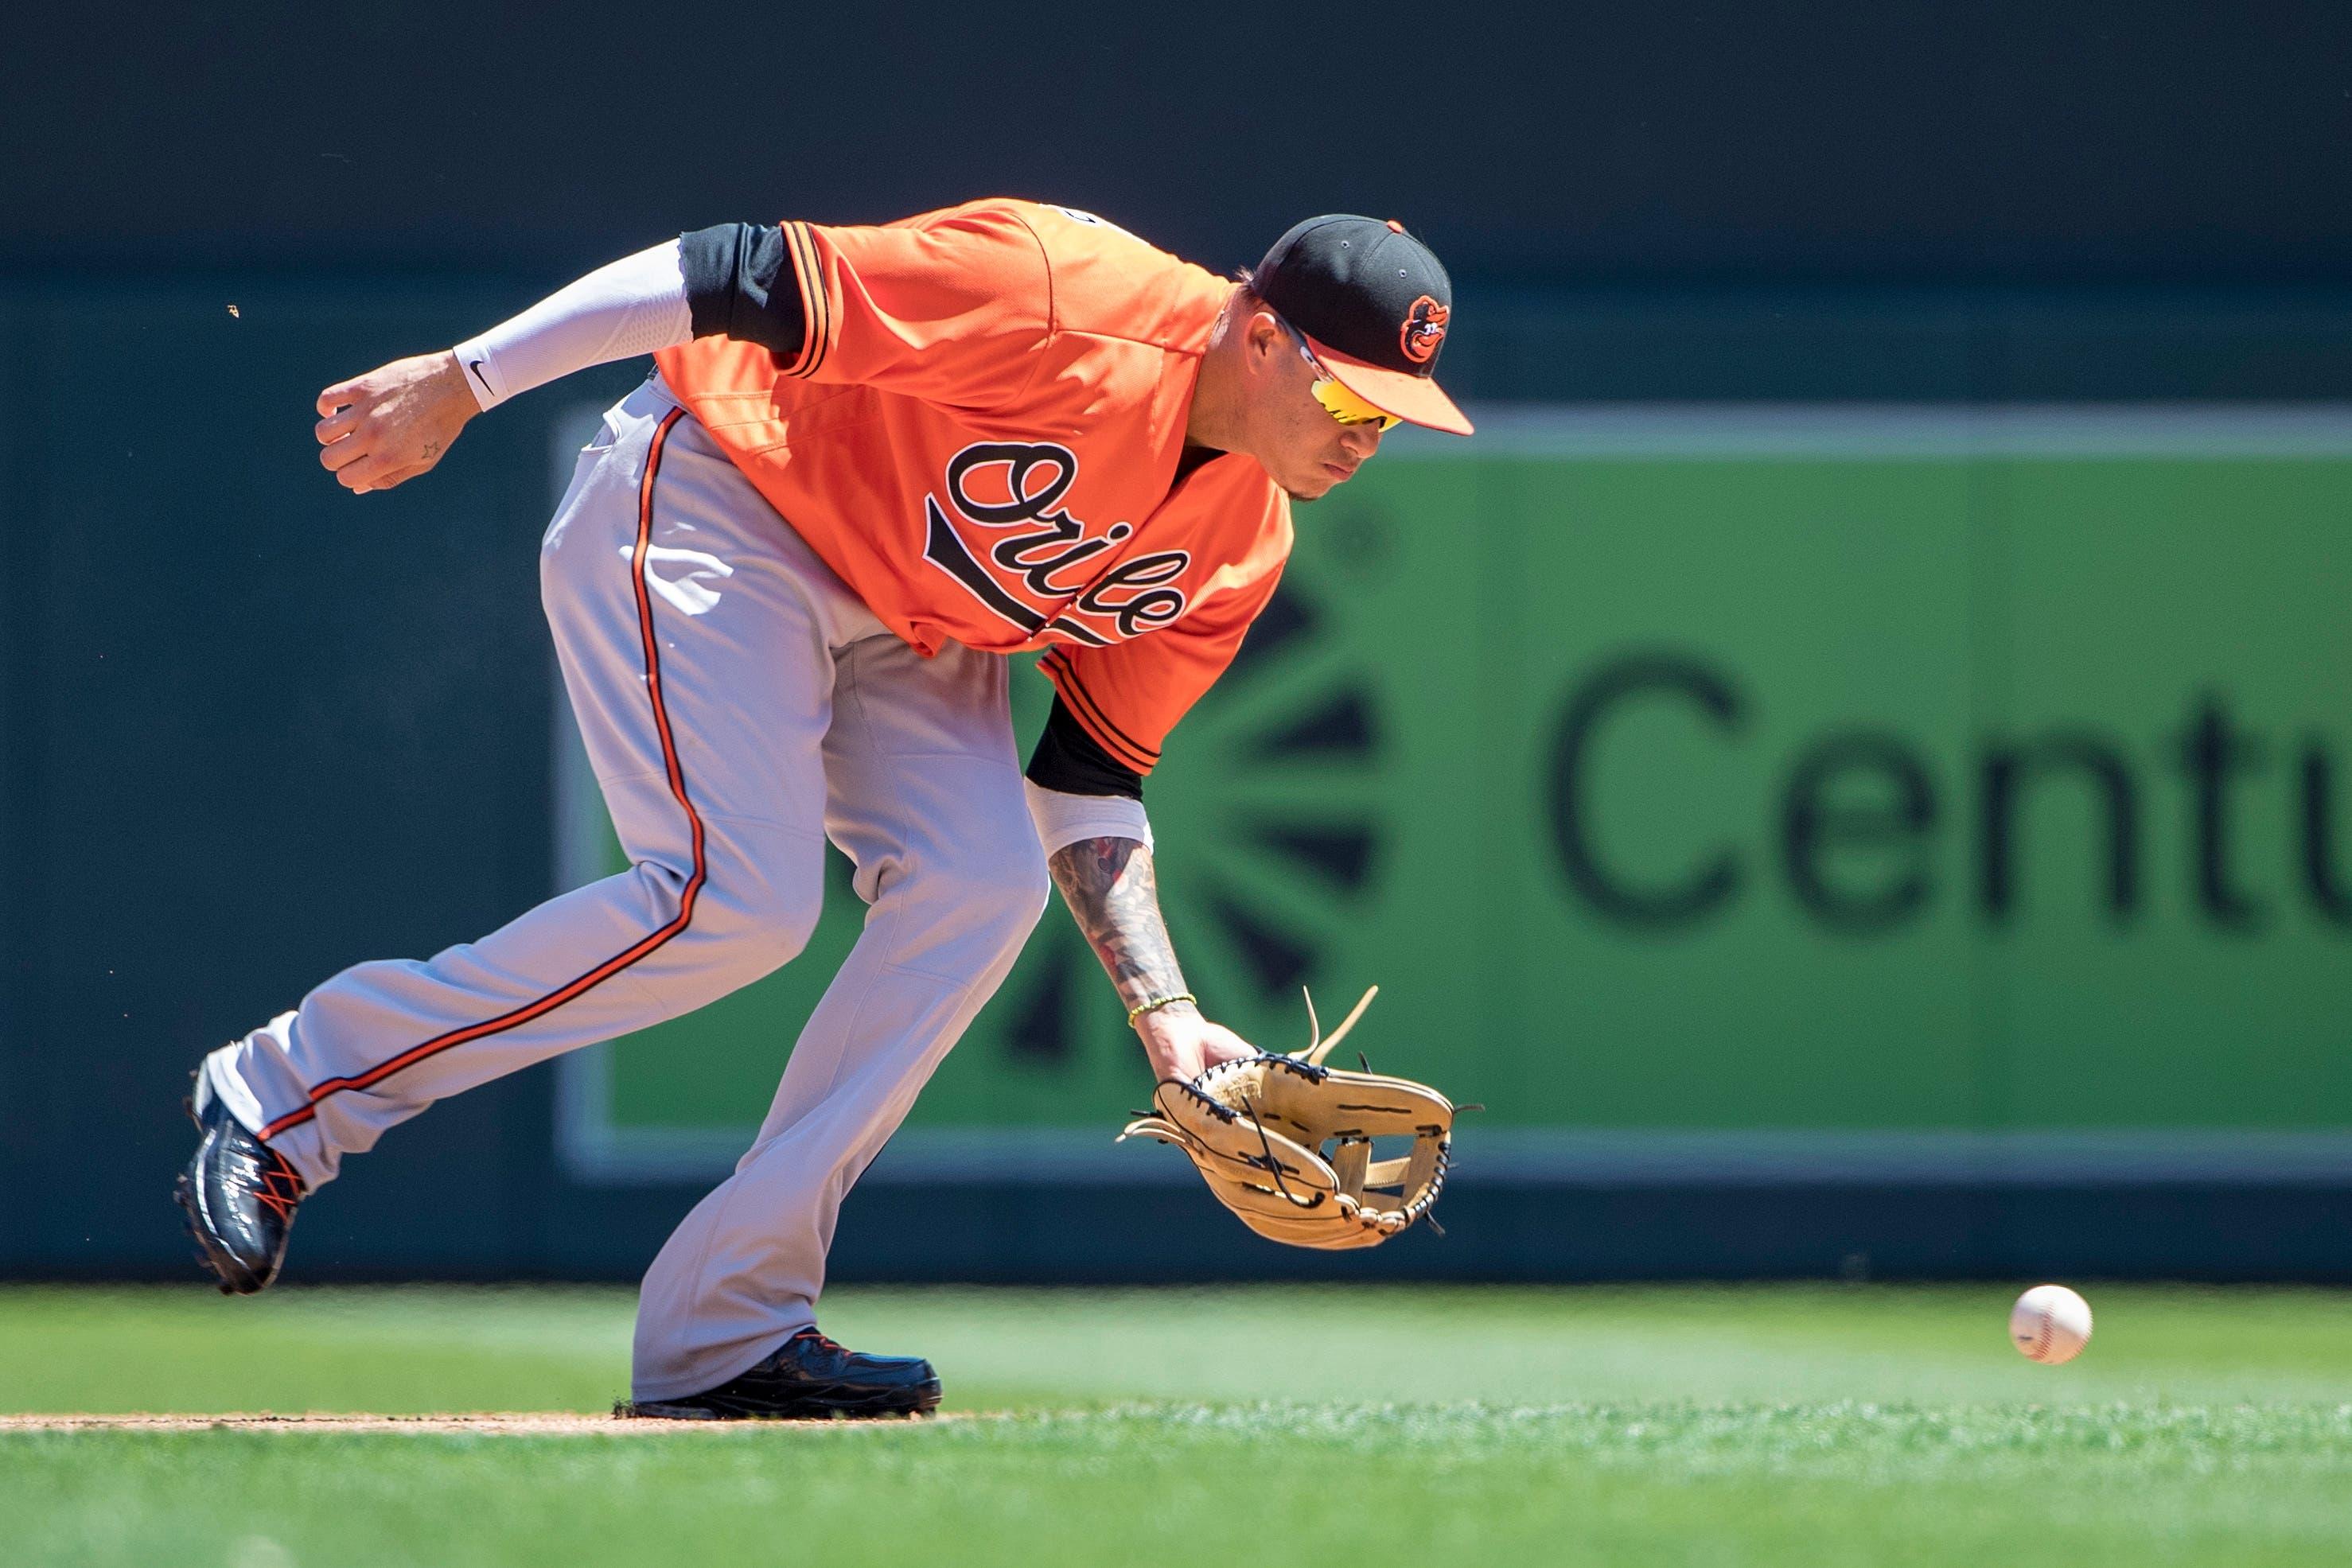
739 706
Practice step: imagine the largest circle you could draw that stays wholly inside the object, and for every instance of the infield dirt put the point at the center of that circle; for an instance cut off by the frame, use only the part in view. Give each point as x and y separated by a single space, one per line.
519 1423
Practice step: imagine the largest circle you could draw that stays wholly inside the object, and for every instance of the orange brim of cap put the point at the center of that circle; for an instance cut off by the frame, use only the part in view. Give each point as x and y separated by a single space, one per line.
1416 398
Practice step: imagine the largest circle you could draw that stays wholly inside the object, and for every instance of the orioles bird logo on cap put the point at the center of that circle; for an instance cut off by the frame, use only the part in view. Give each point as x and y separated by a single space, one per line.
1424 330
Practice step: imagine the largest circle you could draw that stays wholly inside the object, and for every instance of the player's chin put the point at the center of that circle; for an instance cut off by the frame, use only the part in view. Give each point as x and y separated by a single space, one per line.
1319 481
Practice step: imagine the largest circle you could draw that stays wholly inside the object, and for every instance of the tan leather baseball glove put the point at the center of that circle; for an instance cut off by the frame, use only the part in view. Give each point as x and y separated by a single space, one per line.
1286 1143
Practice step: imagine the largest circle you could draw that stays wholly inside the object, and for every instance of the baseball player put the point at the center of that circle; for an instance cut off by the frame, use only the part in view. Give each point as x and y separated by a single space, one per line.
870 462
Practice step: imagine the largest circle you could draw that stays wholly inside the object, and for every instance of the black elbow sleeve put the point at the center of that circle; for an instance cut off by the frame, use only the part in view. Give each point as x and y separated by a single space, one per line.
740 283
1070 759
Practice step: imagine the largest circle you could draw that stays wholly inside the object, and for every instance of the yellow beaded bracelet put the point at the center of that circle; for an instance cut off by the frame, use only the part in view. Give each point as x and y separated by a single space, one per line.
1156 1003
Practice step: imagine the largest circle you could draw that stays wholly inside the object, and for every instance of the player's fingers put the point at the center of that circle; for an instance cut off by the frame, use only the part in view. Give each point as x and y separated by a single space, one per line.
337 426
342 395
338 456
398 475
381 470
365 471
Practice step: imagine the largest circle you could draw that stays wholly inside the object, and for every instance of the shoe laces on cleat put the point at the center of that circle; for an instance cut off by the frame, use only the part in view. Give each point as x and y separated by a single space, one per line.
281 1190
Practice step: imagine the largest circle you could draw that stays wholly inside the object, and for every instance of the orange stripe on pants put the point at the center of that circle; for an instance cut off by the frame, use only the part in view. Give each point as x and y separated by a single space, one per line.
619 961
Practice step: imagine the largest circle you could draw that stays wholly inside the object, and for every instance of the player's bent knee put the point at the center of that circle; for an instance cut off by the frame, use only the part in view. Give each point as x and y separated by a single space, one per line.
762 923
753 910
1008 887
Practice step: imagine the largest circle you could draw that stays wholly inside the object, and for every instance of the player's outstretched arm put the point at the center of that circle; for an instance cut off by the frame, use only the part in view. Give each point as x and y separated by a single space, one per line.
393 423
1108 885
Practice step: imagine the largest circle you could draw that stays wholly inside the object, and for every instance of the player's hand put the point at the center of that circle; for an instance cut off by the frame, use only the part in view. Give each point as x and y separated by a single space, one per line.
1182 1043
392 424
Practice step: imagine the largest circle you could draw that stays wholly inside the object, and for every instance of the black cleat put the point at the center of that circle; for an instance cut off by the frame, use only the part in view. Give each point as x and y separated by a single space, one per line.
240 1194
809 1378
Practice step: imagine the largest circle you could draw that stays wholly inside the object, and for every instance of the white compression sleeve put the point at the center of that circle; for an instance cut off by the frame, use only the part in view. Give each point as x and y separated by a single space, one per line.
1063 820
635 306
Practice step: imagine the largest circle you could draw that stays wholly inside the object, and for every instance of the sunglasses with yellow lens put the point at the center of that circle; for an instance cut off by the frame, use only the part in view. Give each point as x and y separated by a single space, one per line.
1338 401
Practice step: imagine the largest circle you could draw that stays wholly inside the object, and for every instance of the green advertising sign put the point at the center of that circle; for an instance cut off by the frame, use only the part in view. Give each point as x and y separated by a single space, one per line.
1803 786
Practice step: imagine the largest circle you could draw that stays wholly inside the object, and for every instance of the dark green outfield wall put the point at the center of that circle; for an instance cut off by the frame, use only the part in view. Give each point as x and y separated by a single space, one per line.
1836 141
1907 838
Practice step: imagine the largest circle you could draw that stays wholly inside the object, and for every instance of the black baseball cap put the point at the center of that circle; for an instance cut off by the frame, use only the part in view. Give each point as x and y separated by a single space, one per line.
1373 304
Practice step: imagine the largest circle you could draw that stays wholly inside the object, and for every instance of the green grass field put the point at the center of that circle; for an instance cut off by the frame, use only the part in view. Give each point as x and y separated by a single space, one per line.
1798 1426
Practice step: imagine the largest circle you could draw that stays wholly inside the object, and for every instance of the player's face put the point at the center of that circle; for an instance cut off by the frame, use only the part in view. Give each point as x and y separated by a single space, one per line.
1302 447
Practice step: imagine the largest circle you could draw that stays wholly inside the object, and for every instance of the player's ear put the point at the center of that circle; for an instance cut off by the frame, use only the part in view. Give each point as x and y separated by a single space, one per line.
1262 336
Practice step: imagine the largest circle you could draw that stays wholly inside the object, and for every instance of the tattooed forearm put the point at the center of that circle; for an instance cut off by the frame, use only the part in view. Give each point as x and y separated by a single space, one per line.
1109 886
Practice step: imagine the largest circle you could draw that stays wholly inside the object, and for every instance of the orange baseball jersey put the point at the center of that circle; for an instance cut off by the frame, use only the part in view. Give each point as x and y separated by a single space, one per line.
980 435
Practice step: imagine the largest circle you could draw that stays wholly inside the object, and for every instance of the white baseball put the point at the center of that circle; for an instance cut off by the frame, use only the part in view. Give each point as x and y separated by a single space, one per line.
2049 1325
